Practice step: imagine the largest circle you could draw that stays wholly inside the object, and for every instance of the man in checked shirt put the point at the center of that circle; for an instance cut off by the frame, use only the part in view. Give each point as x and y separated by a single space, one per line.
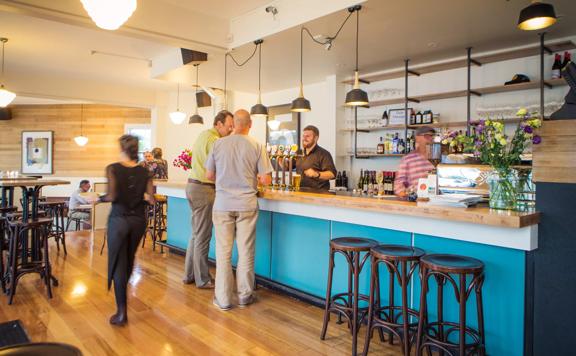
414 165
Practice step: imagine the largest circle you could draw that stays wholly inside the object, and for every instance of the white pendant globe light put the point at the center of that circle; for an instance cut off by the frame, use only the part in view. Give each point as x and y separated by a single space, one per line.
6 96
177 116
110 14
81 140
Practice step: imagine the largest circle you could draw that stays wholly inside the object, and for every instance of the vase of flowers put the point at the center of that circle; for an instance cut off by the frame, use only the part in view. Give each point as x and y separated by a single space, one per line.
494 147
184 160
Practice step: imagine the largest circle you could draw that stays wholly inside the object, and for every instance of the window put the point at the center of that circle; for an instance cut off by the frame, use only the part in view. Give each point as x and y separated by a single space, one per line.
144 134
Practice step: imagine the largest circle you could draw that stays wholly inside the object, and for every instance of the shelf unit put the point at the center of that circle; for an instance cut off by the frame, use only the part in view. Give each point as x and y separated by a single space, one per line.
468 92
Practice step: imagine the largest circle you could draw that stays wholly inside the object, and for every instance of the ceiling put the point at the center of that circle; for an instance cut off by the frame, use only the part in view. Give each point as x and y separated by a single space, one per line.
389 32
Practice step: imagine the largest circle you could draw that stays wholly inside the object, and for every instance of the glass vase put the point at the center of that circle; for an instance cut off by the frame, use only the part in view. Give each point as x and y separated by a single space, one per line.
525 191
503 189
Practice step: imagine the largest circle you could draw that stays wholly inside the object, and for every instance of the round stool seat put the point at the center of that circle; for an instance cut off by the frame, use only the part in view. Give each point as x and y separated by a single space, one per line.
354 244
42 348
397 252
160 198
452 263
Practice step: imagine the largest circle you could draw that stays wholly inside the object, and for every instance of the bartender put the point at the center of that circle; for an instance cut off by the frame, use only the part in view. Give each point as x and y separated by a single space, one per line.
316 166
415 165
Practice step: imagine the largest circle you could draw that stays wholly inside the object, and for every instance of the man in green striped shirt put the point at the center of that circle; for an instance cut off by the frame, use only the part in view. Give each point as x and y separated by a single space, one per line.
200 193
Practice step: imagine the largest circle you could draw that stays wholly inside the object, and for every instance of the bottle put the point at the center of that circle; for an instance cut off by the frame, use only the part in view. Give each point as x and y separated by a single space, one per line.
380 147
556 67
395 143
338 179
401 146
418 118
344 180
360 180
567 59
370 189
388 183
365 183
385 120
392 179
427 117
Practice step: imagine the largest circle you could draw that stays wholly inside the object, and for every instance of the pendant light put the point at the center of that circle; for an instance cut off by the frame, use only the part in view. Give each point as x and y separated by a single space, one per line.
301 104
196 119
81 140
259 110
177 116
537 16
109 14
356 96
6 96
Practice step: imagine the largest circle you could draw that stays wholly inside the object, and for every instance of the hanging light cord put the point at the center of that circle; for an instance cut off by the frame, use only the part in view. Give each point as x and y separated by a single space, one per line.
247 59
259 65
331 38
196 110
357 31
3 43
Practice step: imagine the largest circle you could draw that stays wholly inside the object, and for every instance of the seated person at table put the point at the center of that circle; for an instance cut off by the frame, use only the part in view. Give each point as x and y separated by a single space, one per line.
77 200
161 168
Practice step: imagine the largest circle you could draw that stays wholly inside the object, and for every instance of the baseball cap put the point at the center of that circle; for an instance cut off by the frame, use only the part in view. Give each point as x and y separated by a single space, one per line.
518 78
424 130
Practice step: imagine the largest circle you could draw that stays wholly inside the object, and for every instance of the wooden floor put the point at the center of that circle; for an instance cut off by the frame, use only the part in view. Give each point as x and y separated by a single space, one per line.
166 317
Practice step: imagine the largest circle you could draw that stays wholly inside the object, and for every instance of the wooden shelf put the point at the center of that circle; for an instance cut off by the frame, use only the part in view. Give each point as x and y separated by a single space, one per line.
461 63
381 155
385 128
482 91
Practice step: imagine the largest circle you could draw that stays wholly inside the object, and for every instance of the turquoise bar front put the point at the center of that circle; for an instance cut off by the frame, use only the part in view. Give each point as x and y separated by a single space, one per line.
294 250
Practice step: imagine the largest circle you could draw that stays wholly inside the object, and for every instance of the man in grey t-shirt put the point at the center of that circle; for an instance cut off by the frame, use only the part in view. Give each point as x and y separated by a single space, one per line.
236 163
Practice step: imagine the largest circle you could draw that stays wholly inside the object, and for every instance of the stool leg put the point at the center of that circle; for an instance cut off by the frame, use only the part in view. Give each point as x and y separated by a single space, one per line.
480 309
2 281
355 325
391 303
404 285
61 231
422 313
47 269
68 221
371 302
462 318
440 298
328 295
13 263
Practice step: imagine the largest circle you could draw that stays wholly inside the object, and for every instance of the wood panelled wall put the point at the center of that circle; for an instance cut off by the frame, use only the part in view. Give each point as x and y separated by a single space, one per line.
103 125
554 160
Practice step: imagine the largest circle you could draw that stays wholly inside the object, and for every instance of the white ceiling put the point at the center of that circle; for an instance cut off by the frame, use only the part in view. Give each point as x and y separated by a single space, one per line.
390 32
220 8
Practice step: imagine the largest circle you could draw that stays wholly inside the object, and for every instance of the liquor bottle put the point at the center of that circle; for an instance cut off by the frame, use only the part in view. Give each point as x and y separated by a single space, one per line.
338 179
365 183
392 179
385 120
380 147
427 117
360 184
401 146
388 183
567 59
418 118
370 189
344 180
557 67
412 117
395 143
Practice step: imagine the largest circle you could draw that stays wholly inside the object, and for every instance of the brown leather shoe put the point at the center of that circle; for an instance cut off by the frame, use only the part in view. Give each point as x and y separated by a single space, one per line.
207 285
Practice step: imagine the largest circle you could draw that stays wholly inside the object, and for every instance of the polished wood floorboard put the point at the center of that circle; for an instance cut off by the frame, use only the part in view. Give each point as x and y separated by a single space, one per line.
165 316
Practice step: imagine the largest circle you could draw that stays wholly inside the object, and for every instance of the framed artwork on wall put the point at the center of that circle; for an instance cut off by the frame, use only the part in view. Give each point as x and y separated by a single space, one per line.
282 126
37 152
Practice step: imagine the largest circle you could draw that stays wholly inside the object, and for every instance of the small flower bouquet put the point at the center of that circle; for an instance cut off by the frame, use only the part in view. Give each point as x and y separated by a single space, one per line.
184 160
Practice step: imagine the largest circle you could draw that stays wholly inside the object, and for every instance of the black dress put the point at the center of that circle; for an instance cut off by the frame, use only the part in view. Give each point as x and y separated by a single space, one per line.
126 222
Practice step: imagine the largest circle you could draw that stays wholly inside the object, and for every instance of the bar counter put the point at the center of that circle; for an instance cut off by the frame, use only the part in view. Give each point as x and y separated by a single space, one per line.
294 230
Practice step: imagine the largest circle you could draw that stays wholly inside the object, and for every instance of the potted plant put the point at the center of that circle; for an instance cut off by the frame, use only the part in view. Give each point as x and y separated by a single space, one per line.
184 160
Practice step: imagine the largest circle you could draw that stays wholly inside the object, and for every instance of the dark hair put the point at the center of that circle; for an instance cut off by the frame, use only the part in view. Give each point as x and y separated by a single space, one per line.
221 117
129 145
83 181
157 153
313 129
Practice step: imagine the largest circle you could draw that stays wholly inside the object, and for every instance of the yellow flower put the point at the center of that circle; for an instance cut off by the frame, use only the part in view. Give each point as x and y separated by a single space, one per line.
444 142
498 136
498 126
453 143
503 142
487 122
522 112
535 123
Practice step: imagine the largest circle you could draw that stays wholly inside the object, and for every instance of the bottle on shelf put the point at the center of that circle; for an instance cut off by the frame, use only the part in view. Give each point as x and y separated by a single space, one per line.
401 146
370 189
395 143
418 118
427 117
380 146
365 182
412 117
384 121
557 66
344 180
338 179
360 184
567 59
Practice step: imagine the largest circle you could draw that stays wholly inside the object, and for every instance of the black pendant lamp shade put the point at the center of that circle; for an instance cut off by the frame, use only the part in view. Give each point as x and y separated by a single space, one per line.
196 119
537 16
356 96
301 104
259 109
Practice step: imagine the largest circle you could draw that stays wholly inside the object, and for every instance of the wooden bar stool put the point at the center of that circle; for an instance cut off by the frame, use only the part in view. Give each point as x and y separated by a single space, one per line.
28 258
346 304
156 221
55 210
447 268
401 262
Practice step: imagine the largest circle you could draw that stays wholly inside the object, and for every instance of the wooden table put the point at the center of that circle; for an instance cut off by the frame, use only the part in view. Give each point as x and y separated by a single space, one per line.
8 191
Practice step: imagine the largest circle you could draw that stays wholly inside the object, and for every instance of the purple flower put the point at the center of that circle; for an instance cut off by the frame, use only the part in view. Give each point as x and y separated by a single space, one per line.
536 139
453 134
528 129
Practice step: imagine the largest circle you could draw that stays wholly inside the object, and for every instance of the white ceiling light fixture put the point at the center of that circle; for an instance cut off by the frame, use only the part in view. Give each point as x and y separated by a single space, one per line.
81 140
177 116
6 96
110 14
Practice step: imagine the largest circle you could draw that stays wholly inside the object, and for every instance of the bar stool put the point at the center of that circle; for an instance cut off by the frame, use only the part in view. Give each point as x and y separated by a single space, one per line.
445 268
55 211
346 304
401 262
157 224
28 258
4 242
